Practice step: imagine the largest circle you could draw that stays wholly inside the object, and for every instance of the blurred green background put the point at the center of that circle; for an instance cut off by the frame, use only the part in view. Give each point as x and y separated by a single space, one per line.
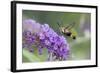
80 49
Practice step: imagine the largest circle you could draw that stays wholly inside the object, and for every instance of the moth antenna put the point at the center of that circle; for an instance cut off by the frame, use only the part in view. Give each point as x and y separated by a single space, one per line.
59 27
58 24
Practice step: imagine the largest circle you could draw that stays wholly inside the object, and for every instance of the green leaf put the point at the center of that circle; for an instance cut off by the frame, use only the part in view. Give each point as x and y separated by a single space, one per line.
29 56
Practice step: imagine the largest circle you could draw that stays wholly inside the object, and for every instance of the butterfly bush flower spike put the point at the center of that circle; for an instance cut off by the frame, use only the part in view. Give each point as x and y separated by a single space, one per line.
43 37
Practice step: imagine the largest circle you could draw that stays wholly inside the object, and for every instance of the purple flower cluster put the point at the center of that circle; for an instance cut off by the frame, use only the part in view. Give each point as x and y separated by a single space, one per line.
46 37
